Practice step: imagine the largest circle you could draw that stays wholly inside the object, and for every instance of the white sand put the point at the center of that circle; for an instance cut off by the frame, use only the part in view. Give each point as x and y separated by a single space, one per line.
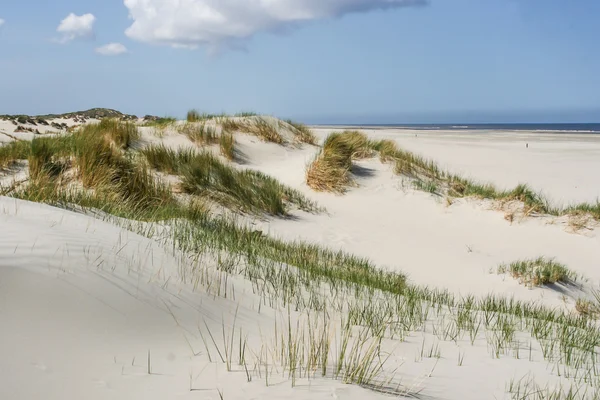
457 247
558 165
83 302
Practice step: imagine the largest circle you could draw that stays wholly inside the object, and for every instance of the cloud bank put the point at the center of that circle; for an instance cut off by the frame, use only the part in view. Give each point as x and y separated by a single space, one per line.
76 27
111 49
1 22
217 23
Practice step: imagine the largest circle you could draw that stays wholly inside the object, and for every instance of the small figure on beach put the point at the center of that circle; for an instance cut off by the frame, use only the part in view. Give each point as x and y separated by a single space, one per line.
527 145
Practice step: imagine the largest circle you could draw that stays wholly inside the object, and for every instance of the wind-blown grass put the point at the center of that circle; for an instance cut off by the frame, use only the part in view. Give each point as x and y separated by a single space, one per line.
96 155
48 157
303 132
330 171
203 174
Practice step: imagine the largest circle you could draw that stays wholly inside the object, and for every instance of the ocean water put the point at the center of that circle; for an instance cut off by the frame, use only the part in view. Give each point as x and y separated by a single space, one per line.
546 128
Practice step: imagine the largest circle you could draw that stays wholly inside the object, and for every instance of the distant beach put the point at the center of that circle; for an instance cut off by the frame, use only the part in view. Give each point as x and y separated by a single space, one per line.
515 127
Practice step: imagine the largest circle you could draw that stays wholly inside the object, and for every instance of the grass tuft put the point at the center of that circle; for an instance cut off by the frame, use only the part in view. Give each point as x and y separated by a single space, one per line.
539 271
330 171
227 145
13 152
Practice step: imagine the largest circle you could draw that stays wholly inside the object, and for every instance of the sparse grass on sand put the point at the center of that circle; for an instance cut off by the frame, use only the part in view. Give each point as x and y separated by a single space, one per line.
330 173
539 271
255 125
264 130
200 133
203 174
303 132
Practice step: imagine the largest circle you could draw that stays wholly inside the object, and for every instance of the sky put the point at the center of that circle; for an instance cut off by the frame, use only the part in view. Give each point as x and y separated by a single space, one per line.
317 61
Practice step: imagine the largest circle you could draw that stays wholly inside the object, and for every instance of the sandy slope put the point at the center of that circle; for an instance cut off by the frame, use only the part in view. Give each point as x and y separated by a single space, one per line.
457 247
82 302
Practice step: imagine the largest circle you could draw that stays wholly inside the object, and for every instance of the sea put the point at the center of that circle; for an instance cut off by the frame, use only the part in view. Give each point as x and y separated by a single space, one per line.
579 128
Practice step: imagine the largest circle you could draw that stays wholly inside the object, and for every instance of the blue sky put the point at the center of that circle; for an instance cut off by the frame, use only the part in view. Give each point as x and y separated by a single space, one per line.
347 61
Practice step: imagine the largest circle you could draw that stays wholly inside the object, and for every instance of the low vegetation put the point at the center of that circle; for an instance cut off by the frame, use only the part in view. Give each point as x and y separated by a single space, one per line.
14 151
330 171
204 175
303 132
193 116
539 271
227 145
200 133
161 122
265 130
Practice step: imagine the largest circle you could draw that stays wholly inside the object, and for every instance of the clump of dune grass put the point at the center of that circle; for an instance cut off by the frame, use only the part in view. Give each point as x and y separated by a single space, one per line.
330 171
96 153
166 159
123 134
592 209
386 148
14 151
48 157
205 175
199 133
303 133
539 271
193 116
227 145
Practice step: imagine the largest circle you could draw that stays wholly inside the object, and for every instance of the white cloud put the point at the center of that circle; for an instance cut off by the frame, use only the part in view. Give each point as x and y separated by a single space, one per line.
189 23
112 49
76 27
1 22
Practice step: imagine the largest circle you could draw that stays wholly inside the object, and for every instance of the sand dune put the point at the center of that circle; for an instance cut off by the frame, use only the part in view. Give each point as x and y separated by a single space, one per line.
99 307
458 247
